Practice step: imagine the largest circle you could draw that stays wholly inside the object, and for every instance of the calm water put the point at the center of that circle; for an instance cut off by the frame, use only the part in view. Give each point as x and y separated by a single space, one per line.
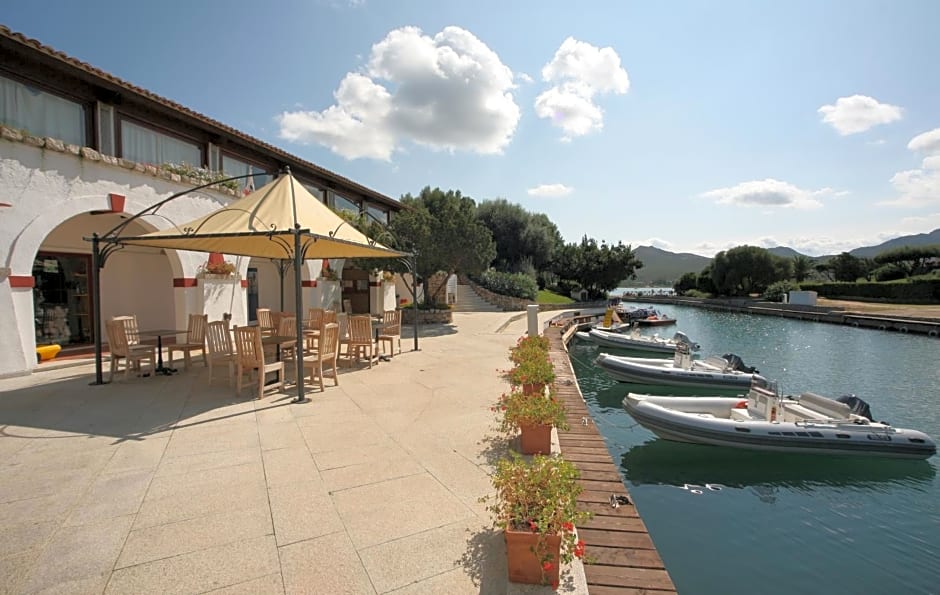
769 523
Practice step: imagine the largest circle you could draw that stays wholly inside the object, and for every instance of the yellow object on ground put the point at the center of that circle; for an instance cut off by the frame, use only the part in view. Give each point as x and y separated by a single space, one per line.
46 352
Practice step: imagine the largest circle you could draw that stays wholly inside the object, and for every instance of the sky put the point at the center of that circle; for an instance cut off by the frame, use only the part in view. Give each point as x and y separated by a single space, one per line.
689 126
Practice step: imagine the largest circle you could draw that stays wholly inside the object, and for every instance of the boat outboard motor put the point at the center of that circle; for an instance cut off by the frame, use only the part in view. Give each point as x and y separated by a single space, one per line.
857 405
681 337
736 363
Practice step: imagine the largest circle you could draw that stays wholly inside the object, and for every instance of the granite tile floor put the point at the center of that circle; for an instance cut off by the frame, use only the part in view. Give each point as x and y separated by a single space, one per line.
168 485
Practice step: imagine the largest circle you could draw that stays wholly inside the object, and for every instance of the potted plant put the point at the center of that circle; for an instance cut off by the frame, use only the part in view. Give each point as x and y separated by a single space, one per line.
533 373
526 346
217 268
535 506
534 416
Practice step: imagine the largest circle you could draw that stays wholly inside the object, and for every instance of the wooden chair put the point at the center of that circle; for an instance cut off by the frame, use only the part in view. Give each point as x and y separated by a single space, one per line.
195 340
131 330
347 306
312 325
360 341
287 327
342 319
219 346
120 349
265 321
249 357
391 331
325 357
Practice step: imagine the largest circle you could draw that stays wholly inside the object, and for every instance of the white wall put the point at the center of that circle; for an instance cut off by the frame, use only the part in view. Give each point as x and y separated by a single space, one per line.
46 189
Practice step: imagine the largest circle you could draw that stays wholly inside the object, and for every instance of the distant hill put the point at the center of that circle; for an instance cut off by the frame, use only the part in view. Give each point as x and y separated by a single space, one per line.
661 267
921 239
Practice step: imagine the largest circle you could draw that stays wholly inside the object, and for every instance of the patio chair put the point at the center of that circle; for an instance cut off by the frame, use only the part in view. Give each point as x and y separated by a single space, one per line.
195 340
360 342
391 331
265 321
287 327
249 358
325 358
312 325
131 330
347 306
219 345
120 349
342 319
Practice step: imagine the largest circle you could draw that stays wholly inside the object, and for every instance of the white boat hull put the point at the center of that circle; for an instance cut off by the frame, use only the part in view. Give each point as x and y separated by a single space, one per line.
633 342
664 372
708 420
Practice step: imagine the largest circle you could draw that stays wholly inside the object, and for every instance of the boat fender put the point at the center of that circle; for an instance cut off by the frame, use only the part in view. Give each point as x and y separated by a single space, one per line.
741 405
903 329
932 334
773 413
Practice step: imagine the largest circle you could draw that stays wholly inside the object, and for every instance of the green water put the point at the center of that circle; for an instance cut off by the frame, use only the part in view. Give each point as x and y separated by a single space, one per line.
729 521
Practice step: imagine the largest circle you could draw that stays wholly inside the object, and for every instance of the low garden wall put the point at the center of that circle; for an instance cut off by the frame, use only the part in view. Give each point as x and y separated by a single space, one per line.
427 316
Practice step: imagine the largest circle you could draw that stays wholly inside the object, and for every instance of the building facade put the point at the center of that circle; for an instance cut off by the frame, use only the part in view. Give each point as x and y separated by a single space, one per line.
80 152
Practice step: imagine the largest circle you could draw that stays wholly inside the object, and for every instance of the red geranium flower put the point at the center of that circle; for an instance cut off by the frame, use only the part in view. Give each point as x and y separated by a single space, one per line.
546 566
569 527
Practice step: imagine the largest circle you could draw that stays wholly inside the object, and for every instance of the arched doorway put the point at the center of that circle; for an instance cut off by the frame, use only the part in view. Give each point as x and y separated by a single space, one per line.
265 286
135 281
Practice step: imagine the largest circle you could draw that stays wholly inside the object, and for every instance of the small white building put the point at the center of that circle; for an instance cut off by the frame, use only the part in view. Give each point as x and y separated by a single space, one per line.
82 152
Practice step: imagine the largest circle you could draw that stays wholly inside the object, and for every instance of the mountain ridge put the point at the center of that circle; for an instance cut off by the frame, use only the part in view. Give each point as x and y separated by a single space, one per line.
663 268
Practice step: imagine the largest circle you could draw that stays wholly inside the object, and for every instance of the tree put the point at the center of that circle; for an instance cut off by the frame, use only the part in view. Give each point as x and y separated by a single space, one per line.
802 266
524 241
598 268
913 260
846 267
444 229
824 270
686 282
745 270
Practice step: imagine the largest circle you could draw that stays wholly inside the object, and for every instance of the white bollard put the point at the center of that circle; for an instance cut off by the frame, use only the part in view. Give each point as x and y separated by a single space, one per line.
532 314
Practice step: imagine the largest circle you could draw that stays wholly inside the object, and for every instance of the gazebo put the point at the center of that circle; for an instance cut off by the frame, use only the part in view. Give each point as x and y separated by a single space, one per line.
281 220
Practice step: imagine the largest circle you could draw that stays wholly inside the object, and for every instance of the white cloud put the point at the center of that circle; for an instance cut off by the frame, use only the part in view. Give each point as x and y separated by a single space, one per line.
767 193
580 71
550 190
920 187
525 78
657 243
928 142
858 113
447 92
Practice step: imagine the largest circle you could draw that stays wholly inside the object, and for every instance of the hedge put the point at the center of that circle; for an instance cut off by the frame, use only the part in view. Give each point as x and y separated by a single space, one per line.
919 290
512 284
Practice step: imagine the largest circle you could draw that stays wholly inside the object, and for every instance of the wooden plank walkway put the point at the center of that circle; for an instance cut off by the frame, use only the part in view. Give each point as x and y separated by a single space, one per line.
619 555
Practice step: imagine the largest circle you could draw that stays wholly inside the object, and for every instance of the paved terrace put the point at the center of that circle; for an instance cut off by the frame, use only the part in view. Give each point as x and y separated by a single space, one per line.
166 485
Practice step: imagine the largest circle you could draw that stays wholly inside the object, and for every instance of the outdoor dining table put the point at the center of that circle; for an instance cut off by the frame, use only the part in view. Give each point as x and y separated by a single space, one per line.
159 334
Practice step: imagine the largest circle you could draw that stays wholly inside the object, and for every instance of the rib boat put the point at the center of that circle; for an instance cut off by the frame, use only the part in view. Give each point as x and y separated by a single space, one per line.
765 420
635 341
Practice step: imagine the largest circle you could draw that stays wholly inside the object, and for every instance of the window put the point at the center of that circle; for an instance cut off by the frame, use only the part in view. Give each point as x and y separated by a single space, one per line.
105 129
317 192
377 214
236 167
145 145
41 114
341 203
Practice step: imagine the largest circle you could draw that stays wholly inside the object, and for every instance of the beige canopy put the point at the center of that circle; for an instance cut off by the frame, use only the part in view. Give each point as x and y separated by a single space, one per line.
262 224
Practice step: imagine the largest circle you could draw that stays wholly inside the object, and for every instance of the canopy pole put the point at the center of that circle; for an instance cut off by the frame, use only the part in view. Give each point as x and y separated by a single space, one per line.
414 292
298 297
96 304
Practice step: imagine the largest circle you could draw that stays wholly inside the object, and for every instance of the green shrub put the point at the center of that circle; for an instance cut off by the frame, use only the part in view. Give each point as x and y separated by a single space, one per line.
777 291
511 284
695 293
902 291
889 272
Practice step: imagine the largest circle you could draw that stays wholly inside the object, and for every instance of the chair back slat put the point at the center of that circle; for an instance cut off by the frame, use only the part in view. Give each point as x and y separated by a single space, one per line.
131 330
248 346
287 326
314 318
329 341
117 337
391 321
196 329
342 319
218 338
264 318
328 317
360 329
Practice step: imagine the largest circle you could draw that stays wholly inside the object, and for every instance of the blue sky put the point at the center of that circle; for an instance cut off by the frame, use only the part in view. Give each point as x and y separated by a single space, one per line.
691 126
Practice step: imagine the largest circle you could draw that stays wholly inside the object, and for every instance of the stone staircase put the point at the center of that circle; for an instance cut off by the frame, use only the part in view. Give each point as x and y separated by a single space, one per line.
469 301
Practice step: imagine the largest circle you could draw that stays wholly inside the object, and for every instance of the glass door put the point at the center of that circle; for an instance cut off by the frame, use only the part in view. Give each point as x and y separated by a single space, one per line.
62 299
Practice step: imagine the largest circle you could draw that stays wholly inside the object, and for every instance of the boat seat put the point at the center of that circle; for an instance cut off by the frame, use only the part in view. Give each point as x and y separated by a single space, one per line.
833 409
803 413
741 415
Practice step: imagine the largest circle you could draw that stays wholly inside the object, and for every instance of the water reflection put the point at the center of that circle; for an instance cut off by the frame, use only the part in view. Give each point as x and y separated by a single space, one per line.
682 465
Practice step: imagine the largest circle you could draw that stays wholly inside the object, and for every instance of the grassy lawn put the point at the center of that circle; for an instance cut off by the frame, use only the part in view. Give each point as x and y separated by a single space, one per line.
547 297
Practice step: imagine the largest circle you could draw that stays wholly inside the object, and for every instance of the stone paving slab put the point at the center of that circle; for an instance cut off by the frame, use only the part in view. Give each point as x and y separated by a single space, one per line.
169 485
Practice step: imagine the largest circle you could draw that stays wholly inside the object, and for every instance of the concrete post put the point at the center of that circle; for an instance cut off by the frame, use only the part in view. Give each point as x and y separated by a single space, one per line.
532 315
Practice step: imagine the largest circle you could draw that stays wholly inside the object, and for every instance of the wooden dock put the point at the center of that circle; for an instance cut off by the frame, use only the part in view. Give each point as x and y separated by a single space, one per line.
619 555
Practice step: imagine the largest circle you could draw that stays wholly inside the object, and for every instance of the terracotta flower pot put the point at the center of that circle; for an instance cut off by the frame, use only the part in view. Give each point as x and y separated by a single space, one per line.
536 439
525 565
533 388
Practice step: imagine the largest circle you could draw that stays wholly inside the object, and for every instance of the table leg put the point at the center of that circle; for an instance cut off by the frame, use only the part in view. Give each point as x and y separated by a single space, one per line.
160 369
